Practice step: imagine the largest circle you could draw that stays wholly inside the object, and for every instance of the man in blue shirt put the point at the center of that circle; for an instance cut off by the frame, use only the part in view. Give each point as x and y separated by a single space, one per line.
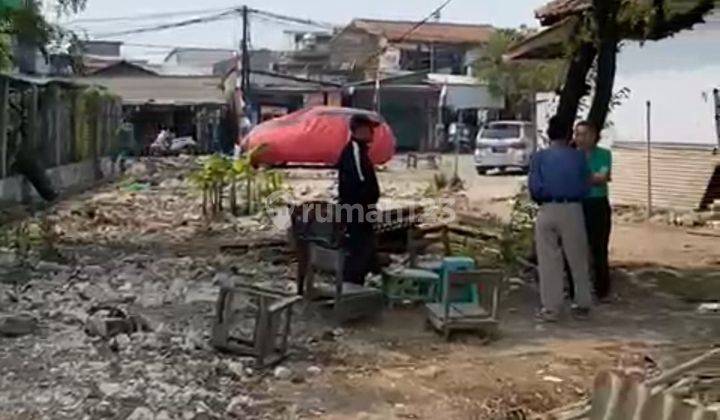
559 180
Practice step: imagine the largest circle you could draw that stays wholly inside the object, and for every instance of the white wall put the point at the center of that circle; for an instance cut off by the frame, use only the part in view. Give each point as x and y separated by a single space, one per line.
678 76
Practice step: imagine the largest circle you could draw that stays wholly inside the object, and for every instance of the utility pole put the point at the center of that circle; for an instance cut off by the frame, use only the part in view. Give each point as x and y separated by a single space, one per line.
648 123
376 96
245 70
456 178
436 17
716 95
432 57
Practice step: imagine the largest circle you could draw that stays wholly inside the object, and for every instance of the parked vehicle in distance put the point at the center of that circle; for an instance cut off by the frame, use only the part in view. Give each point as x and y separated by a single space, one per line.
505 144
463 133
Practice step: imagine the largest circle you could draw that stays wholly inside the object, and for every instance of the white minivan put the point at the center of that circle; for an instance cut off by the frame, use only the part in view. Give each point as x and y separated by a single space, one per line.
505 144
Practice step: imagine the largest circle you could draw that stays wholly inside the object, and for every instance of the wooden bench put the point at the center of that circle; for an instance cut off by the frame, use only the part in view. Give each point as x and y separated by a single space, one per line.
432 159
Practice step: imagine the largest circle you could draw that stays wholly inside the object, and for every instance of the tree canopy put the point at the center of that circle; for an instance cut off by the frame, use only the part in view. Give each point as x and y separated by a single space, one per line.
516 81
28 24
604 26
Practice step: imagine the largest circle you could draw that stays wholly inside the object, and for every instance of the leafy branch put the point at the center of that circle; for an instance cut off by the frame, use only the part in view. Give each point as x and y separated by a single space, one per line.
517 81
29 25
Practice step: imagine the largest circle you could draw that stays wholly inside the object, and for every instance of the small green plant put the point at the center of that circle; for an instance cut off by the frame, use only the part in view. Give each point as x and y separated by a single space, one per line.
442 183
22 243
257 183
242 180
518 235
210 179
49 239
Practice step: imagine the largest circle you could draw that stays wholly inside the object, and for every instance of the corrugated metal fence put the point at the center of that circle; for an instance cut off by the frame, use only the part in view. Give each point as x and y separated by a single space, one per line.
684 177
58 122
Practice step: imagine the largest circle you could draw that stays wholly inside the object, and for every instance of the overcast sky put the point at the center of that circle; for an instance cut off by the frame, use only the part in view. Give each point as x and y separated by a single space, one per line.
226 34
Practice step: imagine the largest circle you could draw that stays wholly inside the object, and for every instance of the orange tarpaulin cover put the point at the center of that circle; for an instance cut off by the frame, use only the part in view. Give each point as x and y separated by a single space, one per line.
315 136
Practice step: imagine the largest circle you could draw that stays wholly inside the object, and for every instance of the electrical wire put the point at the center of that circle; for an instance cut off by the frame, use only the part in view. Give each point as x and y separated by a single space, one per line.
432 15
266 21
409 32
291 19
169 47
174 25
225 13
150 16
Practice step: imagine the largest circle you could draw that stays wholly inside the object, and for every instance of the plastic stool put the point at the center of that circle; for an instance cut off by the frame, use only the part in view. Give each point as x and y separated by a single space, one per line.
468 293
410 285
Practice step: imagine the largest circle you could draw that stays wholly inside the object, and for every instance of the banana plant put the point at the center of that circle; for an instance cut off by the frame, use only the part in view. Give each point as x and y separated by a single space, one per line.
247 172
211 179
218 173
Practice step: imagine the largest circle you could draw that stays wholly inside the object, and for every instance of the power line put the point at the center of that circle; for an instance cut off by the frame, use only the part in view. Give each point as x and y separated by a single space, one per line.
432 15
174 25
291 19
149 16
409 32
169 46
225 14
260 19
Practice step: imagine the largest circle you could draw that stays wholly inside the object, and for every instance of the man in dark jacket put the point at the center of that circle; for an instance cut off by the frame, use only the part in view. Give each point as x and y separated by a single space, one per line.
359 194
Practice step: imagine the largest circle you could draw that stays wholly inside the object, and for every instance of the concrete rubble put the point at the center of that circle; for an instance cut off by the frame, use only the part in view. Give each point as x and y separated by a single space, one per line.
101 363
686 391
17 325
120 329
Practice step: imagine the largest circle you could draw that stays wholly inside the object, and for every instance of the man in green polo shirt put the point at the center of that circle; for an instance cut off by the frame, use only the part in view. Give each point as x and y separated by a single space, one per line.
596 206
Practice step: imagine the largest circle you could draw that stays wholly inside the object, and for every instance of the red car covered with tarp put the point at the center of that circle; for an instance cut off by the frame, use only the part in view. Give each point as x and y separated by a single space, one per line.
315 136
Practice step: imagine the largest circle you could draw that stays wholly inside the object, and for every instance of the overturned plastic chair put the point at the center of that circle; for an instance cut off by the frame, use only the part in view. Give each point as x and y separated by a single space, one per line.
271 323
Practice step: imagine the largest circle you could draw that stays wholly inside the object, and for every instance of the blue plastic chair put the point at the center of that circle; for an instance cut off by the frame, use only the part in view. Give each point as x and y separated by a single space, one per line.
468 293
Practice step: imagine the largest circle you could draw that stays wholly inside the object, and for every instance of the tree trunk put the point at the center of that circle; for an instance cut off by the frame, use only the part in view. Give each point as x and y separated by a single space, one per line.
604 82
575 87
606 18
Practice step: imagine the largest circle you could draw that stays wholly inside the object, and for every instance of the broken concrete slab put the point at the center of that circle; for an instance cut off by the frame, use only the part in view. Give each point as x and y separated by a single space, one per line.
282 373
314 371
14 326
142 413
108 322
51 267
110 389
709 309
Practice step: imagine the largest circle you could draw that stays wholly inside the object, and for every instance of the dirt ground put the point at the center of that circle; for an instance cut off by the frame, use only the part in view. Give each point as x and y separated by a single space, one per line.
167 260
395 369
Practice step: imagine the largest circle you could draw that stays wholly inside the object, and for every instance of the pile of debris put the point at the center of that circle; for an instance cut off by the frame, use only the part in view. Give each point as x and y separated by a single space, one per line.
154 204
687 219
125 335
685 392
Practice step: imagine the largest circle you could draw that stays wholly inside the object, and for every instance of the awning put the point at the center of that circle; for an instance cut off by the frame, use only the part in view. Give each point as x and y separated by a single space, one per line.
546 45
472 97
465 92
